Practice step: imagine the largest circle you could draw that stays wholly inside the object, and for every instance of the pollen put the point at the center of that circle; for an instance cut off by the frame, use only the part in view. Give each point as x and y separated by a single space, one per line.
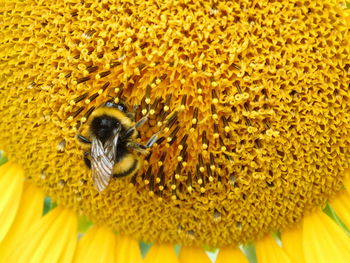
249 100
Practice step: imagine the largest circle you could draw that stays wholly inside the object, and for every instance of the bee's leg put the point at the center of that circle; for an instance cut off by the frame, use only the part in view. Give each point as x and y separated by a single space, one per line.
83 139
152 140
87 160
141 147
138 124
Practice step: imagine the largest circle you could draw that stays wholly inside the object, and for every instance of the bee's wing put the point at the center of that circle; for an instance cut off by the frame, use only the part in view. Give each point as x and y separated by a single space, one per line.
102 161
110 146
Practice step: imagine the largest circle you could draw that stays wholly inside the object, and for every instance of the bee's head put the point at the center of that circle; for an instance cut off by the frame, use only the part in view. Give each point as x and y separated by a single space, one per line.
118 106
103 127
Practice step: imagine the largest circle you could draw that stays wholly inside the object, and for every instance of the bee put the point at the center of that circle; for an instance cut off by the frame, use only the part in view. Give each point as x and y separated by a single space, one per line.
113 151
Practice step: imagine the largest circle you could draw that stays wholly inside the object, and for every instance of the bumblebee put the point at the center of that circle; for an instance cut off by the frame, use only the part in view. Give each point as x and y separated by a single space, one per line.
113 151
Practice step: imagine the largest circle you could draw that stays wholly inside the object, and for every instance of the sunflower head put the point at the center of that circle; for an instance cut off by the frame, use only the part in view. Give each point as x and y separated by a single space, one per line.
250 101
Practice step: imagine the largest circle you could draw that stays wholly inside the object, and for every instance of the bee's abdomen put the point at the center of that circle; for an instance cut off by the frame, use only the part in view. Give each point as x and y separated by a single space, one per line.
127 165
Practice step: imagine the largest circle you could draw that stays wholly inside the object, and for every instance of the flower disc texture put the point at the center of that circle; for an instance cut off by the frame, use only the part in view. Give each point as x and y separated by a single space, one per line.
250 99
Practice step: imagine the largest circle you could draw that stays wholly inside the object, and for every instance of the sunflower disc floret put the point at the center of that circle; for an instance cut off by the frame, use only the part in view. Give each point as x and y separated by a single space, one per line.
251 99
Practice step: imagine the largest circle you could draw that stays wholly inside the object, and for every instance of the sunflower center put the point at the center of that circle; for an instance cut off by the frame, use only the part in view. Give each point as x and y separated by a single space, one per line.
249 100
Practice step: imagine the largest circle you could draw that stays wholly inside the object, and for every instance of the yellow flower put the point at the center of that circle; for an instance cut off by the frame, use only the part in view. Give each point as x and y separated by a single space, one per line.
250 101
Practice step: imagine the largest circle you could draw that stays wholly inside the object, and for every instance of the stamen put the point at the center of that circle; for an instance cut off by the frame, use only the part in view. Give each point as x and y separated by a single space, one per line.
226 126
216 131
76 113
173 133
201 163
115 64
171 141
173 183
91 98
148 175
151 186
148 95
183 142
236 66
189 182
199 88
214 112
183 102
210 174
154 106
205 142
177 171
184 159
223 148
87 114
199 176
212 163
159 141
160 179
173 195
91 69
102 74
182 154
84 79
119 88
161 159
215 99
105 86
171 121
78 99
238 87
161 118
167 103
195 117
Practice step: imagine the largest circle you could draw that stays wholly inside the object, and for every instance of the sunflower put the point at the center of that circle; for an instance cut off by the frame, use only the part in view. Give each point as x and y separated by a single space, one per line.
250 102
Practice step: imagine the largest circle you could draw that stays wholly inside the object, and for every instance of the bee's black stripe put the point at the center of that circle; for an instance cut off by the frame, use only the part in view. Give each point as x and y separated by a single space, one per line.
127 172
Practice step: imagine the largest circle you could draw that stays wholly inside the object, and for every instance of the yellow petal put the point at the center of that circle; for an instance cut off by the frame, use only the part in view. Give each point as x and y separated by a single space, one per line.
341 205
160 253
230 255
97 245
128 250
30 211
268 251
192 254
324 241
292 244
11 184
52 239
